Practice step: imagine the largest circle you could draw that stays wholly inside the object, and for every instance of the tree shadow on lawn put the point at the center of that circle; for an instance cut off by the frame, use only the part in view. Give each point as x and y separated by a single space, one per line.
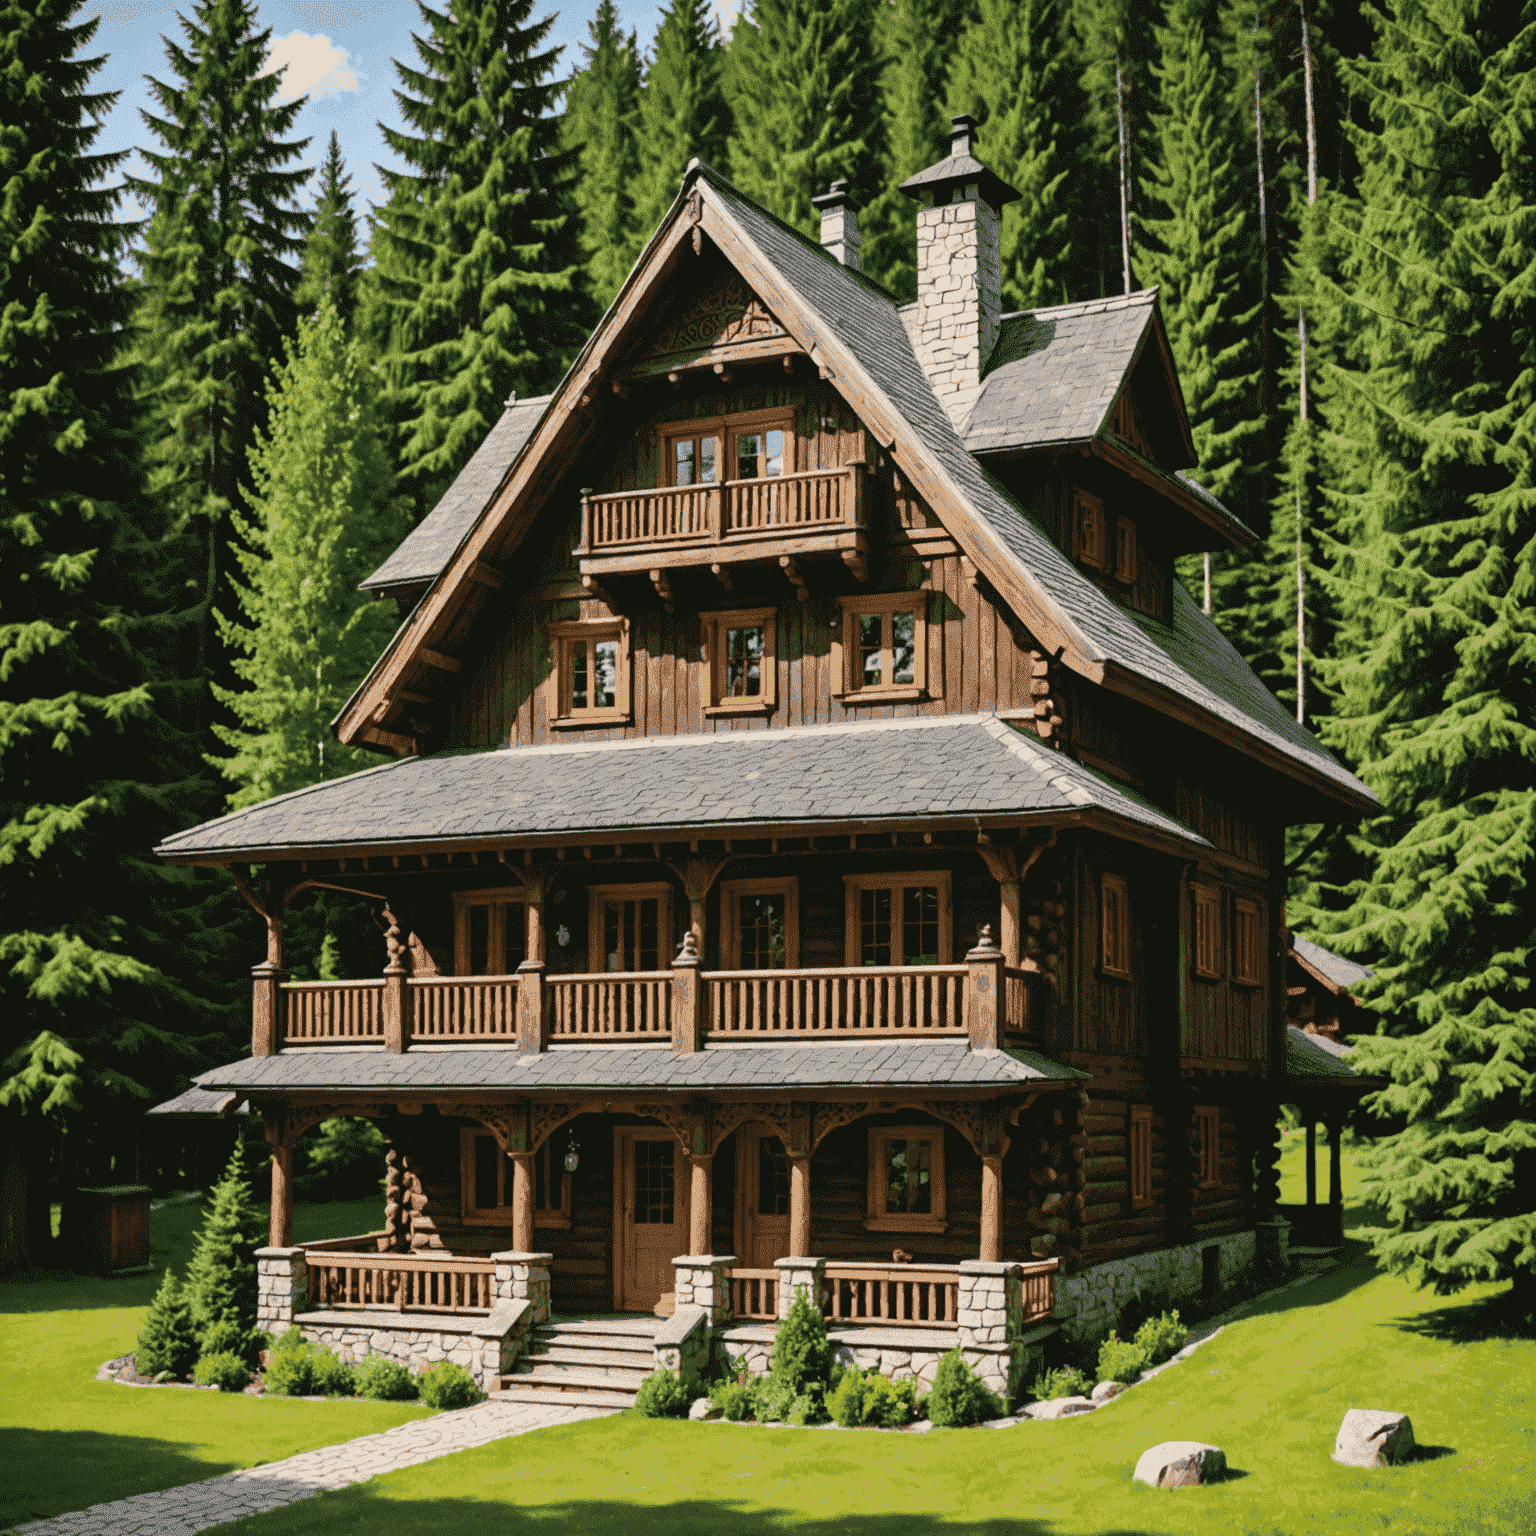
1494 1317
1357 1270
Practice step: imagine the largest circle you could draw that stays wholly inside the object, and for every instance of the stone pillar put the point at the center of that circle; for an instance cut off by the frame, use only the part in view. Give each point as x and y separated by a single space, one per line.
992 1209
799 1273
701 1183
522 1201
532 1013
984 994
280 1230
703 1280
990 1317
523 1276
688 1022
282 1287
799 1207
267 1008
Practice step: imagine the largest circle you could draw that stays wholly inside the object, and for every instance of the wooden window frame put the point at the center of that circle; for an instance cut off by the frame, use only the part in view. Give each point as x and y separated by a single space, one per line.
1125 550
845 658
1138 1159
1247 959
498 899
877 1218
597 895
564 637
1128 423
730 918
1088 532
854 884
725 429
1205 898
712 655
1118 931
554 1216
1208 1143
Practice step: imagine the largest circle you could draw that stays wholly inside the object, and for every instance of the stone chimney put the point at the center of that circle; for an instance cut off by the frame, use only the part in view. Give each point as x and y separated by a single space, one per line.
839 225
954 323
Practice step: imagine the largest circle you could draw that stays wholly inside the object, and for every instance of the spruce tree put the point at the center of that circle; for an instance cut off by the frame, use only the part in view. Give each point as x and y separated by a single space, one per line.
807 108
600 131
332 263
1007 75
320 517
682 113
477 246
221 1274
167 1341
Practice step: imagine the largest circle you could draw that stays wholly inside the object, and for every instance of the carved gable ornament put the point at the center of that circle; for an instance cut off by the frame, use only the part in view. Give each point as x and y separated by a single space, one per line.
726 314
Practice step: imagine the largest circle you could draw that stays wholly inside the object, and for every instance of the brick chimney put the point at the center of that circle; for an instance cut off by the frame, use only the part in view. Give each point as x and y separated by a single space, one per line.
839 225
954 323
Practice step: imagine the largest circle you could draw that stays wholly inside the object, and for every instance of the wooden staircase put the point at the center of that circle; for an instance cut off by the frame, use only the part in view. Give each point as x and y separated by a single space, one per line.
583 1363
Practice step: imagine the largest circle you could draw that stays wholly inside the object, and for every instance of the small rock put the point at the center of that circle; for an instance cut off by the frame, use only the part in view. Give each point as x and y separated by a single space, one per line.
1181 1464
1060 1408
917 1427
703 1409
1373 1437
1007 1423
160 1376
1106 1390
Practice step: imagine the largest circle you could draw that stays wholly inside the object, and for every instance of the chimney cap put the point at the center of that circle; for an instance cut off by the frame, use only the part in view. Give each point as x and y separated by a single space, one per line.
836 196
959 167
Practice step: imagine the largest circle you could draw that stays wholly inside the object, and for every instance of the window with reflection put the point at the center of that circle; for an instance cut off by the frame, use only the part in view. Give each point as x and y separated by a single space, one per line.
760 454
906 1179
591 676
898 919
761 921
740 660
883 640
693 459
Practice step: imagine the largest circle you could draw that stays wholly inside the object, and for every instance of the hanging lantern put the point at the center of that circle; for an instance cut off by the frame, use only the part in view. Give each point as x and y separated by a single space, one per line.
572 1156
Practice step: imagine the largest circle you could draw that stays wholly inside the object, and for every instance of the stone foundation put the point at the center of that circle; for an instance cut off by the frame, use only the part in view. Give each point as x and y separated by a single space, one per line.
1089 1304
282 1288
703 1280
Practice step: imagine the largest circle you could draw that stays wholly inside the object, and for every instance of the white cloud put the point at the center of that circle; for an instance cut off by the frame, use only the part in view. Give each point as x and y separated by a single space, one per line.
726 12
311 66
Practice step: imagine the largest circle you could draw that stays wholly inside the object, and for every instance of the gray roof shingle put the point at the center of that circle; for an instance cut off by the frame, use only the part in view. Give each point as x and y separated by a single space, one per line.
1341 972
942 766
1314 1056
201 1104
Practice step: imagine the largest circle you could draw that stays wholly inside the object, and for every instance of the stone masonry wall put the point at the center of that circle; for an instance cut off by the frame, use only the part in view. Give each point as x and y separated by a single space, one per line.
959 298
282 1287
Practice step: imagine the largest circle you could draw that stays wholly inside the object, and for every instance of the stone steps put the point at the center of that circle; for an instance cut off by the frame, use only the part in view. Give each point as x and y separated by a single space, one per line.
625 1362
592 1361
590 1397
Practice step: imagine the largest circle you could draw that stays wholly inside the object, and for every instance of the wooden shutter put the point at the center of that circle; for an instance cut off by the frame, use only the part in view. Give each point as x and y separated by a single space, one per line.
1141 1155
1208 1128
1246 946
1207 932
1088 534
1115 926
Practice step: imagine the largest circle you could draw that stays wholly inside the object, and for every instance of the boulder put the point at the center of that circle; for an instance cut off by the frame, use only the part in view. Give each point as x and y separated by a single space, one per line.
703 1409
1181 1464
1107 1390
1373 1437
1060 1408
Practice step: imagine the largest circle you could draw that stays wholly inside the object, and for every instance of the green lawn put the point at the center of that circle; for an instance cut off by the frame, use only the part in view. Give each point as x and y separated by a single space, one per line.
1293 1171
1270 1390
68 1440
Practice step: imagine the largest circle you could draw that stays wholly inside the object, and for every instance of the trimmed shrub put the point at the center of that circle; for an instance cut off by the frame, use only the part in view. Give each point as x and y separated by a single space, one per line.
806 1409
221 1276
291 1369
293 1338
448 1385
331 1374
168 1341
734 1400
845 1404
1063 1381
960 1397
801 1353
1121 1360
771 1400
661 1396
1161 1338
387 1380
227 1372
872 1399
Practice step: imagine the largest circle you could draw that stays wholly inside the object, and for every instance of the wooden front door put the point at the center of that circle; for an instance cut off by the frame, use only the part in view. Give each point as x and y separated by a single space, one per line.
651 1221
762 1177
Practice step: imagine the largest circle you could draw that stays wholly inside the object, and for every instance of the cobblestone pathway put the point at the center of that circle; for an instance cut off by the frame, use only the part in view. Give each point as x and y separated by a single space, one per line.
198 1506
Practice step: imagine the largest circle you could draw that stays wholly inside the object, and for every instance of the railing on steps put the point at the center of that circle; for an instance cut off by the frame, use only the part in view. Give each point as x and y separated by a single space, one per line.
463 1007
755 1294
894 1295
862 1000
332 1012
613 1005
405 1282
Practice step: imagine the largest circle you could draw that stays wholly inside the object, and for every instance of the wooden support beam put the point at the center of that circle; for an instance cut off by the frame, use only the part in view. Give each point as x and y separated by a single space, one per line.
594 589
856 562
722 574
723 373
522 1201
791 570
280 1230
621 390
487 575
437 659
663 586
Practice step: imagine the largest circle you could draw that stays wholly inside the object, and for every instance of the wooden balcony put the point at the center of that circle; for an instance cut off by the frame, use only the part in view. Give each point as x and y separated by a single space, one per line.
814 512
350 1274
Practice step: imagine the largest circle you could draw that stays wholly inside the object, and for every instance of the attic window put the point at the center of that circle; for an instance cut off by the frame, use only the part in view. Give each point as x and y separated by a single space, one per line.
1128 424
1088 529
1125 550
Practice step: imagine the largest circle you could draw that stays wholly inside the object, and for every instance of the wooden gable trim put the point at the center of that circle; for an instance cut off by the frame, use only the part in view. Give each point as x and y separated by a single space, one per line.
1156 331
1169 487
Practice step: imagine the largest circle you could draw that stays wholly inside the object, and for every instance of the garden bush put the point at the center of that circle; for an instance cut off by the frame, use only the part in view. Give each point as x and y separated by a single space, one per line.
1121 1360
387 1380
168 1341
771 1400
293 1338
448 1385
801 1353
872 1399
332 1375
959 1397
290 1368
1062 1381
1162 1337
224 1370
733 1399
661 1396
808 1408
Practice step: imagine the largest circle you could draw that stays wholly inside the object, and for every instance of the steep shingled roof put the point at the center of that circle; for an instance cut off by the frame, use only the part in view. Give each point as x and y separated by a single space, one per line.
1316 1056
1341 972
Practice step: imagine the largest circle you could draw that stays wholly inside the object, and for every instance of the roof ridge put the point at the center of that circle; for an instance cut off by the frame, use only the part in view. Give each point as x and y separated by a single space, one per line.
1087 306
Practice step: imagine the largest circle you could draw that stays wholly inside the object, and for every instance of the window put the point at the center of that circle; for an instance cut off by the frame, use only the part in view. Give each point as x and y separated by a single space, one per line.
692 460
760 921
1208 1146
759 453
629 927
1114 927
884 647
1125 549
897 919
772 1177
1247 943
740 661
906 1179
490 932
1088 529
1140 1159
1207 933
753 445
591 677
1129 425
485 1177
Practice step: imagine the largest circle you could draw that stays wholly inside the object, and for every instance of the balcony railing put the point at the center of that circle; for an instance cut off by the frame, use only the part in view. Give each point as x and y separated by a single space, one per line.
332 1012
463 1007
612 1006
856 1000
823 500
402 1282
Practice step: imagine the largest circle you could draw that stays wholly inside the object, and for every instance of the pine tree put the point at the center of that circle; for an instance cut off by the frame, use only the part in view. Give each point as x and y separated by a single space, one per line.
320 519
477 246
1007 75
332 263
682 113
221 1275
807 108
1431 440
600 131
95 938
168 1341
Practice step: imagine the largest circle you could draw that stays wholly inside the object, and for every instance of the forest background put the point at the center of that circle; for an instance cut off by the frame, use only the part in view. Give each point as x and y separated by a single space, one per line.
216 418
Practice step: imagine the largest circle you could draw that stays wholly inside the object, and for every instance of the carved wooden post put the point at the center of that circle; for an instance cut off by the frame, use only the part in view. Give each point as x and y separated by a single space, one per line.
994 1145
689 1025
984 994
532 1009
701 1186
522 1201
267 1008
799 1208
585 546
397 997
536 884
698 875
281 1229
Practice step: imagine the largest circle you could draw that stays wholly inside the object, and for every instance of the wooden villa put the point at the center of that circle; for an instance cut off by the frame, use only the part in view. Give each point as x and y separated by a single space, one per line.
820 843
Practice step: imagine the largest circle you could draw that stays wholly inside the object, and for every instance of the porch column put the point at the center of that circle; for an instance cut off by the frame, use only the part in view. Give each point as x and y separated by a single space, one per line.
1311 1156
536 883
267 1008
280 1232
984 993
1335 1161
799 1207
701 1189
522 1201
992 1209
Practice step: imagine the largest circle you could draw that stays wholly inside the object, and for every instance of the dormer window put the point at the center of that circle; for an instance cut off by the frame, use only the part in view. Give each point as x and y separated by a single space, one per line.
1128 424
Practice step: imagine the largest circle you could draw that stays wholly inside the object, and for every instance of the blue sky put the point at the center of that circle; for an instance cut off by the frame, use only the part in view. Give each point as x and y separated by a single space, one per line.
338 51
